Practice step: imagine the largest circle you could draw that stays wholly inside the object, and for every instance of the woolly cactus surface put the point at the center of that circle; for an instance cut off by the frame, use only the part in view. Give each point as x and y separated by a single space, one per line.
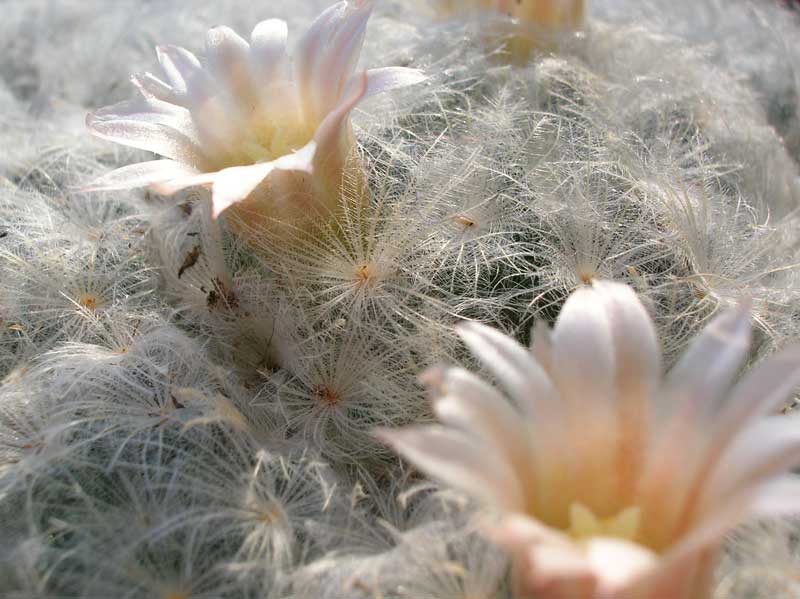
193 374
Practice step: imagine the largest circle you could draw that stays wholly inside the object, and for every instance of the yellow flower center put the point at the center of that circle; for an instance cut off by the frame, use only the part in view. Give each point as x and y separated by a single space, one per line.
270 140
584 524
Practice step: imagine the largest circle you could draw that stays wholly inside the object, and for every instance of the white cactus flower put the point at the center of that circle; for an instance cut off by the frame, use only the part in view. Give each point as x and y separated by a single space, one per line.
609 481
249 124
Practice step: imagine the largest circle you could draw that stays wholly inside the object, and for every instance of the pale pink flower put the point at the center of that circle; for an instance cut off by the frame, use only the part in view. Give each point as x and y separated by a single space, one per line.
247 122
608 480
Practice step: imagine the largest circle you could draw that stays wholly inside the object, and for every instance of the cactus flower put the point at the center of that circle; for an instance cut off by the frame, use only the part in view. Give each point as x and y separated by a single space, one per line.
268 136
533 24
608 480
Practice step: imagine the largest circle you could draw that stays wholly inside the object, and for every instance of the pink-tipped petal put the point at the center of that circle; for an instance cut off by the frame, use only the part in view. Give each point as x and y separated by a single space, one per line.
140 174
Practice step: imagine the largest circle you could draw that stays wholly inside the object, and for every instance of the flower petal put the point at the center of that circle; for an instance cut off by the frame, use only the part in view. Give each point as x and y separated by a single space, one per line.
183 70
388 78
515 369
617 563
140 174
760 392
334 143
638 358
637 375
693 389
172 186
777 498
146 132
710 364
472 405
583 352
327 54
151 86
542 345
458 460
767 448
584 372
268 51
234 184
228 57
